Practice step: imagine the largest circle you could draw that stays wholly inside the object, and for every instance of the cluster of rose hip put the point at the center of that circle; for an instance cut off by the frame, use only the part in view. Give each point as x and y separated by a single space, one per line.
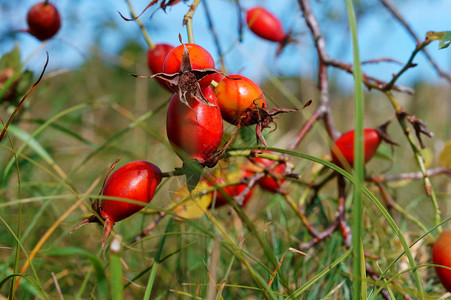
203 98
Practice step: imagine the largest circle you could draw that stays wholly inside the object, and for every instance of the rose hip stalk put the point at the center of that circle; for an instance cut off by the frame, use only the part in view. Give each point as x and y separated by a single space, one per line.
43 20
136 181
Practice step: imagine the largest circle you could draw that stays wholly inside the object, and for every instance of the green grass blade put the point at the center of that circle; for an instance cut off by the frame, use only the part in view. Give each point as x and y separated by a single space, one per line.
358 262
153 273
19 244
318 276
35 284
367 192
116 283
101 279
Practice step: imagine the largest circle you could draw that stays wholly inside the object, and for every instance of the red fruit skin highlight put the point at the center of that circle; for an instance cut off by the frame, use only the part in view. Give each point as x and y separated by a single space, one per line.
264 24
343 149
43 20
135 181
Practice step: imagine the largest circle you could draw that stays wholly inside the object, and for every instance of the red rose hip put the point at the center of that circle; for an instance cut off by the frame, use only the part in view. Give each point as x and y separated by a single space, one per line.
135 181
43 20
155 61
265 25
194 131
441 255
232 190
343 149
199 57
239 97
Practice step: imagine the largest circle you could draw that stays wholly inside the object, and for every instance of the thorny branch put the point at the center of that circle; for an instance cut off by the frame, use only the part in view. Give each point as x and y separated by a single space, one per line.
323 113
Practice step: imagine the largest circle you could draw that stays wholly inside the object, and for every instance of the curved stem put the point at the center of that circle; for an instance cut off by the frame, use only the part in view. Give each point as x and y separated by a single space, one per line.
141 26
188 20
418 157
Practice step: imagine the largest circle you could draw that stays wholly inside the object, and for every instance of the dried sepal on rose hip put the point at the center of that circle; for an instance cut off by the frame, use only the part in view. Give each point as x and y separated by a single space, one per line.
242 103
156 56
135 181
184 69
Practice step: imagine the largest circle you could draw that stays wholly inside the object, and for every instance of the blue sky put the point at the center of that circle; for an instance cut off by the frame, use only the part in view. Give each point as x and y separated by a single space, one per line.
379 35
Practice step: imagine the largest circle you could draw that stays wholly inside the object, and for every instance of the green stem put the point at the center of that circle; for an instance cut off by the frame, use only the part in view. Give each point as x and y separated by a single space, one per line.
358 261
116 284
419 159
188 20
141 26
19 219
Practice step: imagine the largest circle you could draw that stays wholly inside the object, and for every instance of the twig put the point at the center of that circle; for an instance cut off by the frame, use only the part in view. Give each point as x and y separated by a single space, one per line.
394 11
411 175
188 20
57 286
149 228
375 276
407 66
141 26
306 127
214 34
323 83
378 60
401 116
341 218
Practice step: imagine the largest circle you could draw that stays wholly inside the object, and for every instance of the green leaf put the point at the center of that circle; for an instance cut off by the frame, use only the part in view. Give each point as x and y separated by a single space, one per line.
32 143
445 156
247 135
11 59
193 171
445 41
443 36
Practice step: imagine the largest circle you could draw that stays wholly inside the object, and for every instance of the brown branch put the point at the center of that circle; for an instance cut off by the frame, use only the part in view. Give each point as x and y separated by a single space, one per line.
149 228
341 219
378 60
323 83
306 127
375 276
411 175
369 81
407 66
